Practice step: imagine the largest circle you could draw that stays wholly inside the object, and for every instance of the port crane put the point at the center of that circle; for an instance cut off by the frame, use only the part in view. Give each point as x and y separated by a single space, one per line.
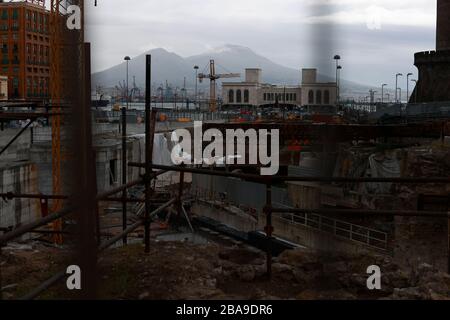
212 76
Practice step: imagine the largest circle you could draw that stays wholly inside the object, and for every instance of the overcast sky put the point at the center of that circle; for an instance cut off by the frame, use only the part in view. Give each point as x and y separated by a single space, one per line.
376 38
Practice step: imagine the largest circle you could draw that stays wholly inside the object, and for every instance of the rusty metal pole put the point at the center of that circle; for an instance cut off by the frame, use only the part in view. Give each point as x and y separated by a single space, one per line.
269 229
124 173
86 192
148 152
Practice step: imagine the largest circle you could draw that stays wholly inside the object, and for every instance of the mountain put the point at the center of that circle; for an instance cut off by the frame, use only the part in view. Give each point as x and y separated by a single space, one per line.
229 59
232 59
165 66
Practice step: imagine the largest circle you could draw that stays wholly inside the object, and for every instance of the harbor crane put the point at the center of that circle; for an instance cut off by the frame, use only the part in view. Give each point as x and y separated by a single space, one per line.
212 76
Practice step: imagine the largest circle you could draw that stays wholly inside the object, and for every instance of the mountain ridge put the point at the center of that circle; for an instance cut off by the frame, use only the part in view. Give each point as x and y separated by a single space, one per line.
174 68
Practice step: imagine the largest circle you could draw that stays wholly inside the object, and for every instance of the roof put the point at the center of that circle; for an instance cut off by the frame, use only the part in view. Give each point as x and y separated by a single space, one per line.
17 4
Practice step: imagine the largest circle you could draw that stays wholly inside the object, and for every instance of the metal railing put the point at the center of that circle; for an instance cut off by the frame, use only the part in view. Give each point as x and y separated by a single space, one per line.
341 229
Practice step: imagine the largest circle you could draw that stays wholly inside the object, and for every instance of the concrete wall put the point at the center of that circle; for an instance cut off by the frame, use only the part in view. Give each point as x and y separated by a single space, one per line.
19 178
314 239
231 217
19 149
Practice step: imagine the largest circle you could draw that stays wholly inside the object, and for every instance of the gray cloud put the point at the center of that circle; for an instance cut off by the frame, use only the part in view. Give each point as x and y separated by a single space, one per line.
295 33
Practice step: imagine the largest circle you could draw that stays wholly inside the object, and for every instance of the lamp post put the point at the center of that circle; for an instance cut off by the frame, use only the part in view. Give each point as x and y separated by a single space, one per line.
127 59
396 86
407 86
337 58
382 92
196 84
124 158
415 95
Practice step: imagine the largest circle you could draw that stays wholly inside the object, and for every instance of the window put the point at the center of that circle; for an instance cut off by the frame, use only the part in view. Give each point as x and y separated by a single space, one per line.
311 97
327 97
231 96
294 97
238 96
246 96
319 97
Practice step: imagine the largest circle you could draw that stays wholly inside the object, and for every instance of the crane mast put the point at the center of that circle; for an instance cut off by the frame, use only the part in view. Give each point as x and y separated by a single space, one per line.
213 77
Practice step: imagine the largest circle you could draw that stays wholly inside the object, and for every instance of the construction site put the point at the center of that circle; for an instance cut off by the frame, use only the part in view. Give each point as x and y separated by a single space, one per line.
359 184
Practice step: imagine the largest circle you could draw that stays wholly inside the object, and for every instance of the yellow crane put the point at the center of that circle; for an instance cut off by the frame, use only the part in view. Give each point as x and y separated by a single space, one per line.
212 76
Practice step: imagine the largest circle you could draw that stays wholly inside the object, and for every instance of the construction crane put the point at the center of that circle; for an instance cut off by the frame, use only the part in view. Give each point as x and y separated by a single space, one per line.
212 76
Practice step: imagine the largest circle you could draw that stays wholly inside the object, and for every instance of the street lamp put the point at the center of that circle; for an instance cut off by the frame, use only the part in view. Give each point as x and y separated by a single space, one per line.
196 81
396 87
407 86
127 59
415 95
337 58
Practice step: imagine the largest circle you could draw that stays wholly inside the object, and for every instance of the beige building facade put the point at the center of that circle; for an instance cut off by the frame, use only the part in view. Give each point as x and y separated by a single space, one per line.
252 92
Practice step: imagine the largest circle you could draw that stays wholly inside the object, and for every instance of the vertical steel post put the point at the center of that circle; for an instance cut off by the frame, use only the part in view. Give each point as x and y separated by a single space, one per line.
124 173
1 285
180 194
84 176
148 151
269 229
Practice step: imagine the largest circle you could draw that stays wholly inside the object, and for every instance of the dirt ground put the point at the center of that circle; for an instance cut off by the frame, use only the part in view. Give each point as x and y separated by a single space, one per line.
188 271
